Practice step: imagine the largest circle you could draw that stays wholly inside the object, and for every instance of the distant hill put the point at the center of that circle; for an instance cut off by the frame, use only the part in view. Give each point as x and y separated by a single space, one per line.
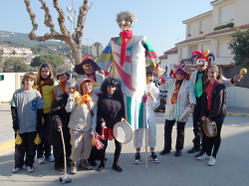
22 40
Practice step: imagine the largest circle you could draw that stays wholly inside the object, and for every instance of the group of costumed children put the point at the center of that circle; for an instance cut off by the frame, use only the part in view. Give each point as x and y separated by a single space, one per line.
46 108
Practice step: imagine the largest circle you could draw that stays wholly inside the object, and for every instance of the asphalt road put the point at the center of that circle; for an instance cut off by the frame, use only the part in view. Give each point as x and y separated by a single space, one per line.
231 168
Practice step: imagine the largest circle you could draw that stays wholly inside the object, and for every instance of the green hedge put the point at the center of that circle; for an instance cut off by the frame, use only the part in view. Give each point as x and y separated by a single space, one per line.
229 25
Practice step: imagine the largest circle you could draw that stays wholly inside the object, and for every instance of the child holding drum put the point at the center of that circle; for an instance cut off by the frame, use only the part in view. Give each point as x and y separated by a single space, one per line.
213 110
110 111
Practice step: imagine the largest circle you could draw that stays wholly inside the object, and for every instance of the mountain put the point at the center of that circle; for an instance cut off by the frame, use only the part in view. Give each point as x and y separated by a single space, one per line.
13 39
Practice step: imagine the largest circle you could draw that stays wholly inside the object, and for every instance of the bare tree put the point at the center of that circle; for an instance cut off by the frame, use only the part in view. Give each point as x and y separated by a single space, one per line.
73 40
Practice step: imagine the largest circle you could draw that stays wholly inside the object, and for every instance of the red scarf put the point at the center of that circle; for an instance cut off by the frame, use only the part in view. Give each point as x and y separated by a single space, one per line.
126 34
63 86
209 91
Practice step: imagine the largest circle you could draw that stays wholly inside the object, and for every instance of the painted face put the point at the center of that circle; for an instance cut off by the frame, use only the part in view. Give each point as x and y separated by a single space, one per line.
201 68
45 73
70 89
28 83
150 78
212 75
63 77
125 23
88 68
87 87
111 89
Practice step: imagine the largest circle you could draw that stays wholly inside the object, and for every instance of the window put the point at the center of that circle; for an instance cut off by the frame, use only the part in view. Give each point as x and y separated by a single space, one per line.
226 14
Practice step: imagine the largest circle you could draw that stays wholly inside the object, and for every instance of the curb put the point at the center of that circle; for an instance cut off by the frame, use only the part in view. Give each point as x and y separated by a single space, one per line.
237 114
7 145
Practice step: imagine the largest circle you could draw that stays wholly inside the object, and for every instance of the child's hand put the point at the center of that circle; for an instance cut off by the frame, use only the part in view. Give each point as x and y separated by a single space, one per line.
150 95
203 118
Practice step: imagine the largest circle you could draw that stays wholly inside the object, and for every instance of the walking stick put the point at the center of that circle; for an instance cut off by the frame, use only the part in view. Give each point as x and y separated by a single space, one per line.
65 178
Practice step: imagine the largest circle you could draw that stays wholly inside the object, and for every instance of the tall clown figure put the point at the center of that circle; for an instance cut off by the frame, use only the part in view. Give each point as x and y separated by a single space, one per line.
126 58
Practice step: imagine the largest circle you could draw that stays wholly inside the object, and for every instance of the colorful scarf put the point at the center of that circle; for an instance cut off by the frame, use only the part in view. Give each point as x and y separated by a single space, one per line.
173 98
126 34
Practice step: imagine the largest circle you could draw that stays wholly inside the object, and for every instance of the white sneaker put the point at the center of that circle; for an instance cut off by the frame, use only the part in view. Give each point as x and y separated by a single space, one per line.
41 160
30 169
16 169
51 158
203 157
212 161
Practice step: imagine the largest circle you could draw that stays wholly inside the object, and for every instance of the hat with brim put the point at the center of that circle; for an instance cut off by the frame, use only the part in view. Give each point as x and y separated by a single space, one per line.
61 70
181 68
79 67
86 80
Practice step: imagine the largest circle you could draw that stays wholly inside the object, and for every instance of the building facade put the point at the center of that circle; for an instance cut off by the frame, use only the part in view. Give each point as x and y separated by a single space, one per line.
213 31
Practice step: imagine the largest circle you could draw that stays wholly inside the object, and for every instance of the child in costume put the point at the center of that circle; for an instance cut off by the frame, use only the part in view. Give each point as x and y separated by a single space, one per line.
45 85
89 69
62 75
82 123
26 110
59 121
180 96
213 109
125 58
110 111
151 102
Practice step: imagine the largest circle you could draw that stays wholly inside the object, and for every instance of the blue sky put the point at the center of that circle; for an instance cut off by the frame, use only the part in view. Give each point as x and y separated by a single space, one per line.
159 20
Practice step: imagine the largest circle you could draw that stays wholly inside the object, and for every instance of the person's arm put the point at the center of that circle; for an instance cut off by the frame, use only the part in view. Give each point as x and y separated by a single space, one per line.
39 114
14 118
217 107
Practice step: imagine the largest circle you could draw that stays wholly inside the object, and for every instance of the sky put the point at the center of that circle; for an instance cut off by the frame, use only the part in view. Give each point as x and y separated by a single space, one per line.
159 20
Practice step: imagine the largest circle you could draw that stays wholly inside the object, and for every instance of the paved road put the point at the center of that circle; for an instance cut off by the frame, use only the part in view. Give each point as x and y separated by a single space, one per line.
231 168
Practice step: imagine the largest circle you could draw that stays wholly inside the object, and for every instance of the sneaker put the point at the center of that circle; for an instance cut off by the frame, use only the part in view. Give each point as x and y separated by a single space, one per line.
101 167
117 168
204 156
41 160
199 154
85 165
178 153
164 151
193 150
153 158
16 169
30 169
73 168
50 158
211 161
137 158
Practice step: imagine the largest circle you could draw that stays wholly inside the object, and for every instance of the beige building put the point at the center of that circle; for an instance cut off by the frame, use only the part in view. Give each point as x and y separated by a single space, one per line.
213 30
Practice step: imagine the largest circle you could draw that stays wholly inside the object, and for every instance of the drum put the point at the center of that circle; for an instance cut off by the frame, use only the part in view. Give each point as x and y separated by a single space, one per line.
122 132
188 110
209 128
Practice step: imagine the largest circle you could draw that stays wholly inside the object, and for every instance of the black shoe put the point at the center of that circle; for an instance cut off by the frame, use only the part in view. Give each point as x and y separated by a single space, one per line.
101 167
193 150
178 153
199 154
164 151
92 163
117 168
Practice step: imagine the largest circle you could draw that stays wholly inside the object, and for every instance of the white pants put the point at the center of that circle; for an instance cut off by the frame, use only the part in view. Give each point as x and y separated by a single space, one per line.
138 136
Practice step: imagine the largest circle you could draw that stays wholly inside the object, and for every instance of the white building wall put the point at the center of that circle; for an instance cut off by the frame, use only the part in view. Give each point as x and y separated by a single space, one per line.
11 82
237 97
241 8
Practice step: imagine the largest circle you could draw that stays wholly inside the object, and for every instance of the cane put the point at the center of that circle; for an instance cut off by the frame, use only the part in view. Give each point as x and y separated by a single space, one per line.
65 178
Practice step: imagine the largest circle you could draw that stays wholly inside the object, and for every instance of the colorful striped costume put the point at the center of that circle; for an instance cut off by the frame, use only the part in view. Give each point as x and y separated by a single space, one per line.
185 97
132 74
